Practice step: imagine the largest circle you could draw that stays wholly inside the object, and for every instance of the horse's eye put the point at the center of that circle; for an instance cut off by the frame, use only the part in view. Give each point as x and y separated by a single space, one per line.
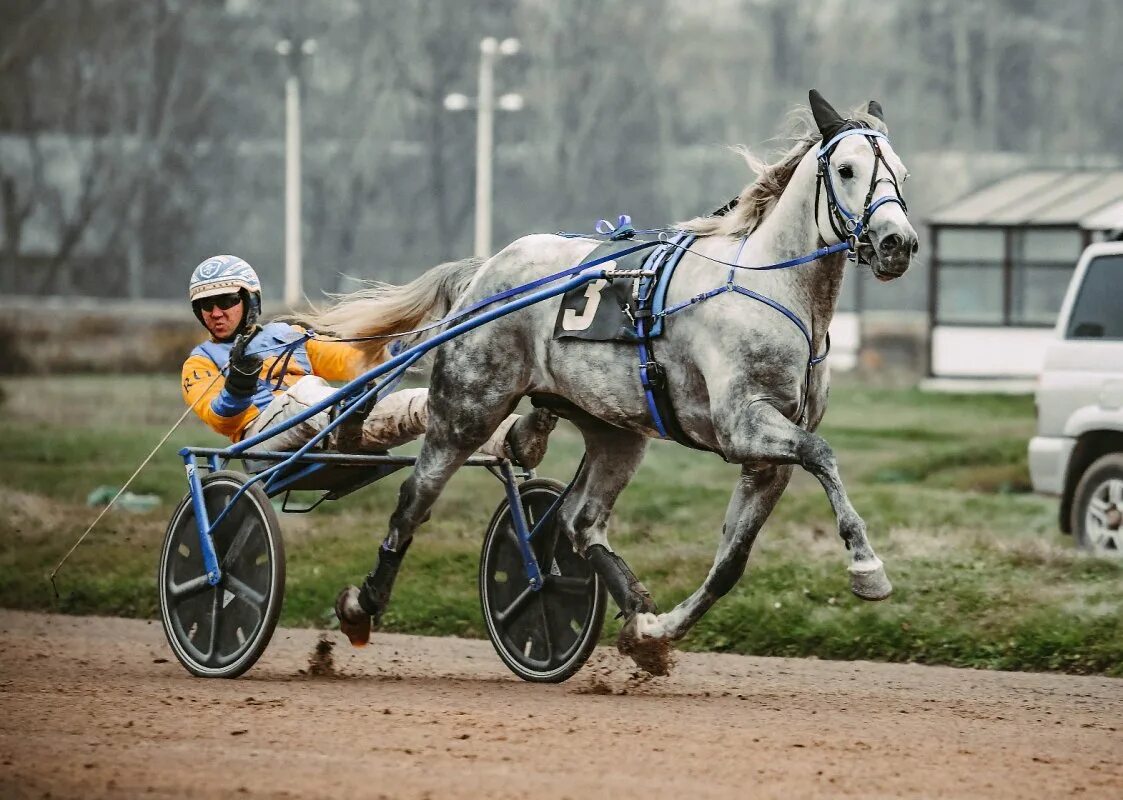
846 172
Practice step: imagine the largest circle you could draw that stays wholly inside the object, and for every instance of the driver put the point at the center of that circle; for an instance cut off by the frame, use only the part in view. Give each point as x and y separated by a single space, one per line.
273 376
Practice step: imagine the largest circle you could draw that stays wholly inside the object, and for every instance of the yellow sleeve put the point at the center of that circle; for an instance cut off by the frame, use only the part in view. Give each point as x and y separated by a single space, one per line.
334 361
202 383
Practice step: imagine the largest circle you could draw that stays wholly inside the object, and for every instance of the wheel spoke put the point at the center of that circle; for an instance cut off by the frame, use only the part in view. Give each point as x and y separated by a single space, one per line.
568 585
1115 492
546 630
1097 514
188 589
213 639
513 535
244 591
239 541
517 605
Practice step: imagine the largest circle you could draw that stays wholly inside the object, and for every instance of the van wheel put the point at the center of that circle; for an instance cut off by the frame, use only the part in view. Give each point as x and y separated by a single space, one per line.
1097 507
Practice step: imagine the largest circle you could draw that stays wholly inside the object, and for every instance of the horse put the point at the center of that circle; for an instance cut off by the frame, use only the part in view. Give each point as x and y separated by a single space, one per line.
744 382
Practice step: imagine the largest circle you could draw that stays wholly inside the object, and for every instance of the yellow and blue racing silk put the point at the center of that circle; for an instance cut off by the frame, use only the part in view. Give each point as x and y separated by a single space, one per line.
287 357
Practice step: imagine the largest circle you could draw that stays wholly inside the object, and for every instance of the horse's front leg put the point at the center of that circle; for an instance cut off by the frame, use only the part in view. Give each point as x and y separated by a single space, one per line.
754 497
766 443
770 436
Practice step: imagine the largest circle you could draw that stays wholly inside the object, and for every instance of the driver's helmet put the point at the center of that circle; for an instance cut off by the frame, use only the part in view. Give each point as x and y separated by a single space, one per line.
223 275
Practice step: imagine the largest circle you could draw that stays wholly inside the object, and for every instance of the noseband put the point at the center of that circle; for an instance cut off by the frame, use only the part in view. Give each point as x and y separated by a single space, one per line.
848 227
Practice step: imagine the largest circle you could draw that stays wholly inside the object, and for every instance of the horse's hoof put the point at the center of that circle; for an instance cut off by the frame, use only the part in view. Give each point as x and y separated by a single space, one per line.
869 581
353 621
654 655
529 437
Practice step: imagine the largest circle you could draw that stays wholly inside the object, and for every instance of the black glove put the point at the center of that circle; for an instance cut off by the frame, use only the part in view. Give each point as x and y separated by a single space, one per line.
241 379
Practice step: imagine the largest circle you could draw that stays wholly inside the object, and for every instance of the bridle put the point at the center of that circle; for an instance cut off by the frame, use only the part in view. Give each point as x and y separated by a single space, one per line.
847 226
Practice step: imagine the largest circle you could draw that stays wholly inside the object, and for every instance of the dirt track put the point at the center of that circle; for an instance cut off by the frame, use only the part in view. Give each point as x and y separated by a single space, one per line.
94 707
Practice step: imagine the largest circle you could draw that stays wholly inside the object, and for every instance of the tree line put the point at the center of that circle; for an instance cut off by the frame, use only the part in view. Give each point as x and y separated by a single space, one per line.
138 138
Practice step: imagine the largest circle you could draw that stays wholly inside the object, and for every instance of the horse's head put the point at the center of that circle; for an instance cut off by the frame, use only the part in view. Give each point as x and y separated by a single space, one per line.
860 180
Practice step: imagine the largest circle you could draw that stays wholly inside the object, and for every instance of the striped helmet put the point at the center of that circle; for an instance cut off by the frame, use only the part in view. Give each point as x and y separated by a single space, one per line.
224 275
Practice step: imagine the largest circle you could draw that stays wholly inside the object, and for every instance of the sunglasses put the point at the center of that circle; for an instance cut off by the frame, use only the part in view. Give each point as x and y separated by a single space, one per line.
223 301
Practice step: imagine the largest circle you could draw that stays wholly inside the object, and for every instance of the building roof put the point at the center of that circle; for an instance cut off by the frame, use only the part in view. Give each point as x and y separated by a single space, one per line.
1091 199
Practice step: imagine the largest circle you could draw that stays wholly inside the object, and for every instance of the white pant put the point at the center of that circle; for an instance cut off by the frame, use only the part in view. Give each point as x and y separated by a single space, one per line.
398 418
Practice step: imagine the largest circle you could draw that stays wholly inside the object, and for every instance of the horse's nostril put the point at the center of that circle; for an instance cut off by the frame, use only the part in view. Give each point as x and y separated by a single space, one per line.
915 246
890 243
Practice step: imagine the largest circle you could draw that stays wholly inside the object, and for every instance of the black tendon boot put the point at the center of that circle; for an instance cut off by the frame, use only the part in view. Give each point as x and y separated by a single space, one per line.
625 588
371 599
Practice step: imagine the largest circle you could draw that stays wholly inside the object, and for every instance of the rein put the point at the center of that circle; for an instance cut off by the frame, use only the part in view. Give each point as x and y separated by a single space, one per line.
850 227
847 226
854 225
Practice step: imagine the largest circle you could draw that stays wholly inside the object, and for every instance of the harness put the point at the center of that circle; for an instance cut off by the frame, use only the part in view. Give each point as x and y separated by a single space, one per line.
275 337
650 310
648 317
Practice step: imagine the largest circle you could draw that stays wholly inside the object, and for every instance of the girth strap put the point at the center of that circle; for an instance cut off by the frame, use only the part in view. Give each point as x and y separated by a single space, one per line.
652 375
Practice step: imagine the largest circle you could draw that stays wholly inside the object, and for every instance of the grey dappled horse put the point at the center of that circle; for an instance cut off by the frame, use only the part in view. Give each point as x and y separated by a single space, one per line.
738 371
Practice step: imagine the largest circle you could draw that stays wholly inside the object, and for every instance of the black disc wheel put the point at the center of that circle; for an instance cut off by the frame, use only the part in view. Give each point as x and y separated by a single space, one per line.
220 631
547 635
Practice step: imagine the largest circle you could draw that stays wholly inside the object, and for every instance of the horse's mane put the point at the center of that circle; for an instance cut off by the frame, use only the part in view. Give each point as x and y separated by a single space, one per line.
759 197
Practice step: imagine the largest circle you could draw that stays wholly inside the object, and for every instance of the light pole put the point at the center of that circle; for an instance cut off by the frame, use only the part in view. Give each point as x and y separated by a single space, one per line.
485 104
294 53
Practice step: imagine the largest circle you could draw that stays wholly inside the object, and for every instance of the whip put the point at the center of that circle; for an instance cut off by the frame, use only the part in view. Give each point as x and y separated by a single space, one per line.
121 491
251 320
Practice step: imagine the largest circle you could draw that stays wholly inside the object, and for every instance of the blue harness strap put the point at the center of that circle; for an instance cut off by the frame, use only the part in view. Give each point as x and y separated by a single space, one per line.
650 297
275 337
651 311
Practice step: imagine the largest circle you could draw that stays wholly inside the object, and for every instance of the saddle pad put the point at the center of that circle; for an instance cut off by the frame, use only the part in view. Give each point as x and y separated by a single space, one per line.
603 310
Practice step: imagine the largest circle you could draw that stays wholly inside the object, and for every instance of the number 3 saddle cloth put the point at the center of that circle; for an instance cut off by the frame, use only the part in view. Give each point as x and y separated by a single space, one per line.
624 309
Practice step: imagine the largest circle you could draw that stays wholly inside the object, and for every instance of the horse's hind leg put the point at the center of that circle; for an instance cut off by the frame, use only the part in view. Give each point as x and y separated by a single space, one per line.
460 420
611 458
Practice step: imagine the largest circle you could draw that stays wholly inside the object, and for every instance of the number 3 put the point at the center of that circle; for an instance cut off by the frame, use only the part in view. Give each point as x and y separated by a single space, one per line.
574 321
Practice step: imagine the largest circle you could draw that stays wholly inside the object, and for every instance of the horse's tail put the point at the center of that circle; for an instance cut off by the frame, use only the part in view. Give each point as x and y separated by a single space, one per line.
384 310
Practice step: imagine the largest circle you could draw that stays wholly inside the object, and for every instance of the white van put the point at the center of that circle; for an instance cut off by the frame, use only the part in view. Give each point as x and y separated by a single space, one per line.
1078 451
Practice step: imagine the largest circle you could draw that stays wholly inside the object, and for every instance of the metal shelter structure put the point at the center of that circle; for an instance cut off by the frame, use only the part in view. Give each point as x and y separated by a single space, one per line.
1001 259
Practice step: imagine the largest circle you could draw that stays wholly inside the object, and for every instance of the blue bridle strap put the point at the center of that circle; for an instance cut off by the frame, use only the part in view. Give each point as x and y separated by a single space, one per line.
854 225
825 149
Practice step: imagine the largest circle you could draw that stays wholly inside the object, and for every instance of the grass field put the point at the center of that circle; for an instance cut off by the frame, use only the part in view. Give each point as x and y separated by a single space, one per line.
983 578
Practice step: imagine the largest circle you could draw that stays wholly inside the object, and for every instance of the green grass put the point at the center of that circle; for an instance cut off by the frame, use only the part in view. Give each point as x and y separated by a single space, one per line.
983 578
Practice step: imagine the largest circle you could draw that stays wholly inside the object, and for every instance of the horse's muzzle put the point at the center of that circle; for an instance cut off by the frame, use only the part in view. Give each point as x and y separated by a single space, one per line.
894 255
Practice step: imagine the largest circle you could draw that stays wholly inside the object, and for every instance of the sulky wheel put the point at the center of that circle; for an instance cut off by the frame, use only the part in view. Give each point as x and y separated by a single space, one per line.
543 636
220 631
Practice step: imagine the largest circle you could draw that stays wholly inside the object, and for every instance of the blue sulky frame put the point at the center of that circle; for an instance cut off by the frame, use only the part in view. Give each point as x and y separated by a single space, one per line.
286 471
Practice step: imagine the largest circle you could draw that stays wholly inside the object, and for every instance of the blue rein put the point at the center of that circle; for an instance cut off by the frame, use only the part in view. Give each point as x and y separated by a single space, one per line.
854 225
622 231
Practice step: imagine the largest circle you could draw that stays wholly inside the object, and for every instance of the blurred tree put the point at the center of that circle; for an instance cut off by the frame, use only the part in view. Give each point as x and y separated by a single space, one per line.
138 138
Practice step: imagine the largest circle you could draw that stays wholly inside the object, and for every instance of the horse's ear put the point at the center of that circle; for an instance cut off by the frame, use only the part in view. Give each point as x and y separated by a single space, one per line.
828 120
874 110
